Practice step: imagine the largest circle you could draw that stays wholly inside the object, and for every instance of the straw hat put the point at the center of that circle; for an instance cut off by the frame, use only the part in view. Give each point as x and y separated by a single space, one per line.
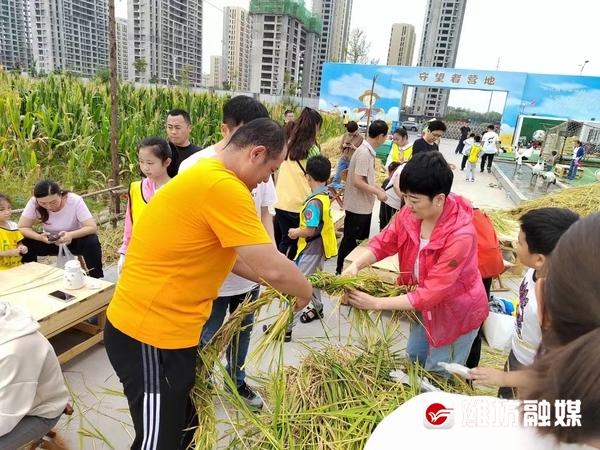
369 92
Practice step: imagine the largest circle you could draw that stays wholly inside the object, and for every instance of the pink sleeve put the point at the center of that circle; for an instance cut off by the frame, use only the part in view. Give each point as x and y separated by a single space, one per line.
82 212
388 242
443 274
30 212
126 229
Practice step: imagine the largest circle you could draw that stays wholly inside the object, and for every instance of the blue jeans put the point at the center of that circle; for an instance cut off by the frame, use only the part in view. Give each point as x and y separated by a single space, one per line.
238 349
572 170
419 351
337 179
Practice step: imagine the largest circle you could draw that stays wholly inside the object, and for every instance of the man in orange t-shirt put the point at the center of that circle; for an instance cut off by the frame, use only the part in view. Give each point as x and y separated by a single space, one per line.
197 228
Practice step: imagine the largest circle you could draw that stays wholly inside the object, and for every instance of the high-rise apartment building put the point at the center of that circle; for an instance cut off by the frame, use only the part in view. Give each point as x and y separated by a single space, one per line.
439 46
70 35
167 36
15 46
215 78
236 48
335 15
284 55
122 52
402 45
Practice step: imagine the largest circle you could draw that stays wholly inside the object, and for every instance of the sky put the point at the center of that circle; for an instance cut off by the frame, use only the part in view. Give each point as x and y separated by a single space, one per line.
542 36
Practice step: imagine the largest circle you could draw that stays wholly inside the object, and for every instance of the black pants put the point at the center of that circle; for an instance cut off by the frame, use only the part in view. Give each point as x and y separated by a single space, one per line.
463 163
475 353
287 220
385 214
157 384
461 145
276 231
356 228
490 158
86 246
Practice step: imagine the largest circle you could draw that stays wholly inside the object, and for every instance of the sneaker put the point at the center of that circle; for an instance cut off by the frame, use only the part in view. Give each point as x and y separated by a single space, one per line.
251 398
489 170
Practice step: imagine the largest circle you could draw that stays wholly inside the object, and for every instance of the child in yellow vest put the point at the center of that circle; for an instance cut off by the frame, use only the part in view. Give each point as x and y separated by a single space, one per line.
474 153
316 234
154 157
11 248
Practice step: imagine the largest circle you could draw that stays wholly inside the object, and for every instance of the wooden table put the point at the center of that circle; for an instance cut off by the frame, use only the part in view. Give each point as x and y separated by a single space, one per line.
28 286
387 269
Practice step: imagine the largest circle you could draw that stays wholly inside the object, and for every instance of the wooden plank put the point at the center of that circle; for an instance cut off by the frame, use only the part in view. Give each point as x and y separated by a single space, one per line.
80 348
338 217
87 327
387 269
66 319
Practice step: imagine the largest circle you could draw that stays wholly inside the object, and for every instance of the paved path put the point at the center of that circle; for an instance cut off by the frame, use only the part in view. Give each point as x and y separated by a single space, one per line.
94 383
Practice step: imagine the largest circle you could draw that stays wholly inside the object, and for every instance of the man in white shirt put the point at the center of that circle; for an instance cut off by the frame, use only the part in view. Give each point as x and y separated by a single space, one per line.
361 191
237 112
490 147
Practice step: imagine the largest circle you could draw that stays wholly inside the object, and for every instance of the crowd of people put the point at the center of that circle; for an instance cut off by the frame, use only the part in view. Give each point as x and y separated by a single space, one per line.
187 260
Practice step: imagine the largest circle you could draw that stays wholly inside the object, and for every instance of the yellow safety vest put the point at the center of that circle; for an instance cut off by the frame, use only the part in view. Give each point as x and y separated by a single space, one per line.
9 239
406 154
328 230
137 202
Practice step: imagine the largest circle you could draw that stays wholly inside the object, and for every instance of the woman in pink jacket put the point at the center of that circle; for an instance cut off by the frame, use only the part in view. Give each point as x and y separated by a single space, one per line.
437 249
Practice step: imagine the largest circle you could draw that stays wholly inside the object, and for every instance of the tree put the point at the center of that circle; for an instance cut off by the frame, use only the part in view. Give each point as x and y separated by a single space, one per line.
290 86
358 47
227 85
103 75
114 107
140 65
184 76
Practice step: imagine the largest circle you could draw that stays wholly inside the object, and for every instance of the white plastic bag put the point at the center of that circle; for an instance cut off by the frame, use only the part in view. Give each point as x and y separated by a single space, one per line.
64 255
498 330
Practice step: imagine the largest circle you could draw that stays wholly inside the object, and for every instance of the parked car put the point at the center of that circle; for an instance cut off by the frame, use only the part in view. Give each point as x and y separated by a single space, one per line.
410 126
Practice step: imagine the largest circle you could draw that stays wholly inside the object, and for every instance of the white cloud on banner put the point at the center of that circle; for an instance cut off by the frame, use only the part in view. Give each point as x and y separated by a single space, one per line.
579 105
392 114
354 85
562 87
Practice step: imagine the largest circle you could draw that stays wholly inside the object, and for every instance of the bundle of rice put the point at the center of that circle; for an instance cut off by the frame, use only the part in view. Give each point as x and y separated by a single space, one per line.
504 222
584 200
364 323
333 399
331 148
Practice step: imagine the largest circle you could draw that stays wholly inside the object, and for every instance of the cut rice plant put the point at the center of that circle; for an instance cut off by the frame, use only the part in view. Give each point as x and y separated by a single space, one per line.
584 200
504 222
334 399
110 239
337 286
331 147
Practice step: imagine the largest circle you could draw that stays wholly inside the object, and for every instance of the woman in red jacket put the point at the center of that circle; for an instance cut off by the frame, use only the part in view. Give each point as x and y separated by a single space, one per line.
437 249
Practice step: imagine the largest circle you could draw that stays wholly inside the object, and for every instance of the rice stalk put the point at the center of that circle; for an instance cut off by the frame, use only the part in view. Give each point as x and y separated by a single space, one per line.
205 435
584 200
504 223
333 399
